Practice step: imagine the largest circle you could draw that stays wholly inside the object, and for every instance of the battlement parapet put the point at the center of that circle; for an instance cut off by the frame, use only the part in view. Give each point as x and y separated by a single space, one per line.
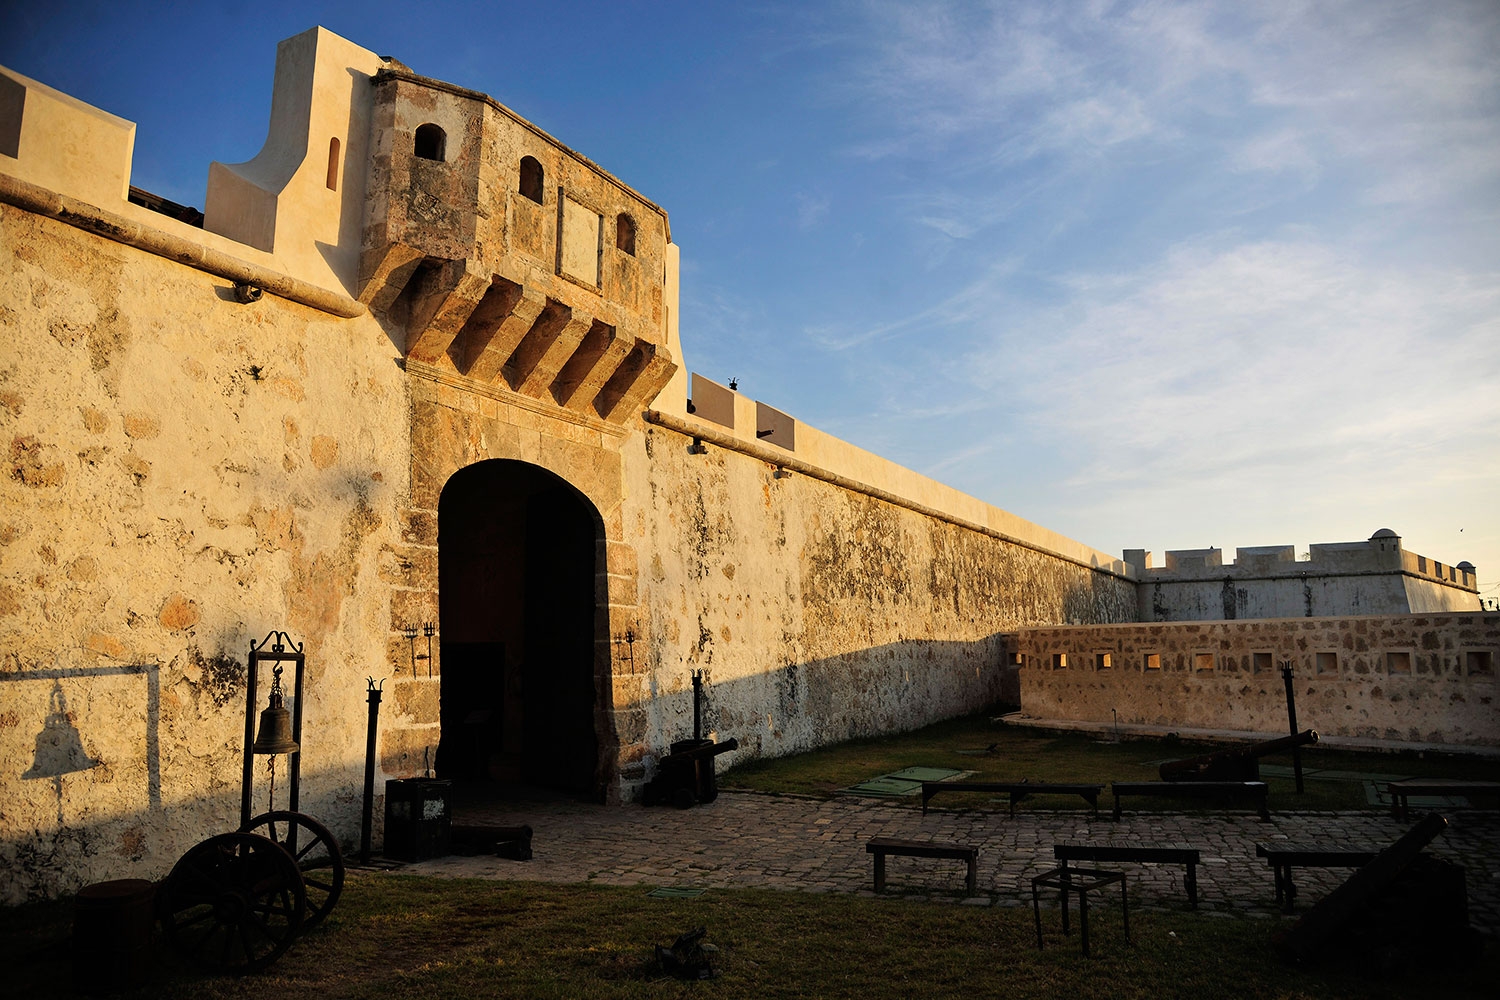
1381 553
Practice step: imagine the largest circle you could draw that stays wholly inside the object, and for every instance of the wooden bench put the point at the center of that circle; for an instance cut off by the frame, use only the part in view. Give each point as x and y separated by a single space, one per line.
881 846
1399 790
1018 790
1151 854
1227 791
1284 857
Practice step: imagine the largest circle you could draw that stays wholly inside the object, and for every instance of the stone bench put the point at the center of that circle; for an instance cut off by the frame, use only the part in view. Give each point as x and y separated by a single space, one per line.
1017 790
1224 791
1284 857
882 846
1399 790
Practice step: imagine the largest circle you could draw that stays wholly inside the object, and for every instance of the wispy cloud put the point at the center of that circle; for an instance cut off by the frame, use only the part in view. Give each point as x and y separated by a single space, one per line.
811 210
1401 101
1216 367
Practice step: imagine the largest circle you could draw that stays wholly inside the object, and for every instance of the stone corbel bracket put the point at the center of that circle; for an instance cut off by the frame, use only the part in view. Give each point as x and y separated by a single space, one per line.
502 331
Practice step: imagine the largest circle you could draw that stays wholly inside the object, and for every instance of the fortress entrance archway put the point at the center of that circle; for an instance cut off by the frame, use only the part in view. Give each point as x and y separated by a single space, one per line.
517 547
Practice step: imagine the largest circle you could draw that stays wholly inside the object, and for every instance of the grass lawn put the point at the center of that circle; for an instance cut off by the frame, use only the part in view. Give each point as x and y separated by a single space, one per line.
395 936
1016 752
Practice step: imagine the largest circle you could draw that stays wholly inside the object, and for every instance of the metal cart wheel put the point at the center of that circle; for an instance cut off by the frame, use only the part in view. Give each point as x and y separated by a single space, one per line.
233 903
316 852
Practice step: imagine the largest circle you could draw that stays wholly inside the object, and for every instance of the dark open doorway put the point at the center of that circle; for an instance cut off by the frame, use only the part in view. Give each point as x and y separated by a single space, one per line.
516 555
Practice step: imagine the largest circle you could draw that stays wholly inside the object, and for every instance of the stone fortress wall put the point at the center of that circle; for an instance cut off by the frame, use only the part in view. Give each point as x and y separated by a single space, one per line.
1428 678
420 363
1373 577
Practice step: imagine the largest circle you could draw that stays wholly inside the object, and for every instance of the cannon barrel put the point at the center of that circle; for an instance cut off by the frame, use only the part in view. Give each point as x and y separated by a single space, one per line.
1234 763
1284 743
706 750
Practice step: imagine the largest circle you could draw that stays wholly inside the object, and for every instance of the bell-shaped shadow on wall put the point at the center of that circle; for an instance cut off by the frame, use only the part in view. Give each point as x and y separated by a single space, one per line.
59 747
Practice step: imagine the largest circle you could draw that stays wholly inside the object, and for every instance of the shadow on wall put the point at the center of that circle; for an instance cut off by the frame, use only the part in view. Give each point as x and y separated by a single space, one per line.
868 692
59 856
1100 601
59 747
61 833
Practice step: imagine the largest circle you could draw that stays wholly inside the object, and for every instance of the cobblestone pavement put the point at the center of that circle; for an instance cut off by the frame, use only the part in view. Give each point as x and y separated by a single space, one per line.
813 845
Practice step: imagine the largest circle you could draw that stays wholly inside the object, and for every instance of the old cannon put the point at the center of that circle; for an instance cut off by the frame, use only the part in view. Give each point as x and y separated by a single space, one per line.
1235 763
236 901
685 777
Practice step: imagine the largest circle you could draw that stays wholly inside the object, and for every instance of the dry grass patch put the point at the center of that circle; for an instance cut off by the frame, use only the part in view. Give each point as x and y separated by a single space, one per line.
399 936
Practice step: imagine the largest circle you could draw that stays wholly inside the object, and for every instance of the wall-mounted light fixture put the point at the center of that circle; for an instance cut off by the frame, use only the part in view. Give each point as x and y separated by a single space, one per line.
246 292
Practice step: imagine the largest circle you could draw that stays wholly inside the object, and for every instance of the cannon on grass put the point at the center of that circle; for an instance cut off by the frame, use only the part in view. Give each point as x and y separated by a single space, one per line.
1404 910
1234 763
236 901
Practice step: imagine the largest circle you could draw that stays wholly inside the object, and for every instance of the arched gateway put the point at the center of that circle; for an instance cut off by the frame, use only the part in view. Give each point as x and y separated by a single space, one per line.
517 553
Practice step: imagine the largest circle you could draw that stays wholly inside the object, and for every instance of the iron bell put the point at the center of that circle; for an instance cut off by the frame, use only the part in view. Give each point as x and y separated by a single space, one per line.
275 732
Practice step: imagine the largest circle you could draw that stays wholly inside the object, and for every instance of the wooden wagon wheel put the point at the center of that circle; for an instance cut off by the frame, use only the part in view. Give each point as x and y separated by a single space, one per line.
233 903
316 852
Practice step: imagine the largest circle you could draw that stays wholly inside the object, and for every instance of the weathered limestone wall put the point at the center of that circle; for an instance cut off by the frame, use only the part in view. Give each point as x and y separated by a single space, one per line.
818 613
1373 577
1426 678
1231 598
185 474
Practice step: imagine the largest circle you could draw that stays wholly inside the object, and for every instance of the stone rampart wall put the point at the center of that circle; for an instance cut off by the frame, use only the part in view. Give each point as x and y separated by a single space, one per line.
185 473
1426 678
819 613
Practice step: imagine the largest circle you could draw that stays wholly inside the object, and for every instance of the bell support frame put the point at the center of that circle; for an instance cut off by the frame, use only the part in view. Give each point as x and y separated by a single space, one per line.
276 647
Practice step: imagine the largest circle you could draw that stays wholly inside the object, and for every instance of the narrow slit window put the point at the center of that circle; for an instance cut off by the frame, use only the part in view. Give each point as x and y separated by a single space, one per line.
431 142
1153 661
1059 661
1203 663
1104 661
1398 662
532 179
1327 664
625 234
333 164
1263 663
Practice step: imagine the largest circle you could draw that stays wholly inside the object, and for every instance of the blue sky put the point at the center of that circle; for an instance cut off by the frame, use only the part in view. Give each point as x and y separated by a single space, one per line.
1156 275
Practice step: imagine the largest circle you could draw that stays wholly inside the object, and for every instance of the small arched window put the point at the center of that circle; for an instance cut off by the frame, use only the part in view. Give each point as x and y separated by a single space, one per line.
430 143
333 164
625 233
531 179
